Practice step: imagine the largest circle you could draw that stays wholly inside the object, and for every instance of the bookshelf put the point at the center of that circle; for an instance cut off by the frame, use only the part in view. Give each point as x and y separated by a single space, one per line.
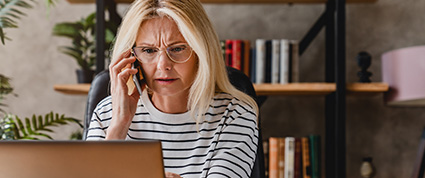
334 89
320 89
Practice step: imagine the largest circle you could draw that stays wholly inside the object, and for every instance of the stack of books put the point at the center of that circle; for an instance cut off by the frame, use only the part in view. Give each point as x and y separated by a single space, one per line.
293 157
270 61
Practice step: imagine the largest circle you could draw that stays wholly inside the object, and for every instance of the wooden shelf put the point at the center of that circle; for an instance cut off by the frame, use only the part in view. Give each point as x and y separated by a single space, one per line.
270 89
238 1
295 89
82 89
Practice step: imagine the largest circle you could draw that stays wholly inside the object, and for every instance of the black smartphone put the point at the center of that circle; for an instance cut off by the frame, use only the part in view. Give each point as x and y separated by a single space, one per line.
138 77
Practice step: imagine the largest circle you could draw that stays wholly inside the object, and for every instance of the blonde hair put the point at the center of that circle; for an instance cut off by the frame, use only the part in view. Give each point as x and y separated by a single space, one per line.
196 28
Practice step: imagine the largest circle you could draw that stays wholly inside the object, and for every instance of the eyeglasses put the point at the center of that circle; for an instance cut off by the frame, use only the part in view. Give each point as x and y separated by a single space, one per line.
179 53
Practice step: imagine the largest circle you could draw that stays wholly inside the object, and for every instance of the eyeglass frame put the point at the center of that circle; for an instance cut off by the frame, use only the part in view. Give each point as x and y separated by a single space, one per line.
160 50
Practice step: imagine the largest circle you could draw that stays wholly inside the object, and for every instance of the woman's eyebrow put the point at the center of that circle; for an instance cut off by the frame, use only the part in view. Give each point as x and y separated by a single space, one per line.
153 45
176 42
145 44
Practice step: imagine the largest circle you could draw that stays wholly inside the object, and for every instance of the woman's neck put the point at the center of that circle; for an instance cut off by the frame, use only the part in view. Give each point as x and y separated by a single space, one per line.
175 104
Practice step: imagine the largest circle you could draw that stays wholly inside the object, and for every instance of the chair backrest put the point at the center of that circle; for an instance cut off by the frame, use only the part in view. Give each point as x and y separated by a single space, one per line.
100 89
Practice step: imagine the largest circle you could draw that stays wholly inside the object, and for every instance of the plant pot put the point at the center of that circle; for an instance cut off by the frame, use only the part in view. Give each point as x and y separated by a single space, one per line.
84 76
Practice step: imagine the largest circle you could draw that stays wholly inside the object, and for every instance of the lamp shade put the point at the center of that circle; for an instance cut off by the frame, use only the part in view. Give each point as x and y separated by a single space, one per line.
404 71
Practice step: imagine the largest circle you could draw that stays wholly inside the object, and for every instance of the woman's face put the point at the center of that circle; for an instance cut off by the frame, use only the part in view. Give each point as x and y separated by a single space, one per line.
163 76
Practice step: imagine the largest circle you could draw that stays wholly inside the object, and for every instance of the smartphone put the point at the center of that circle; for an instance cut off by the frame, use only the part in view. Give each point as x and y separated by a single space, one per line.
138 77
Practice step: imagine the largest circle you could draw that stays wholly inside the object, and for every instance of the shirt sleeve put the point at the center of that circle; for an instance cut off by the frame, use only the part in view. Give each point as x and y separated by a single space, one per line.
237 145
99 121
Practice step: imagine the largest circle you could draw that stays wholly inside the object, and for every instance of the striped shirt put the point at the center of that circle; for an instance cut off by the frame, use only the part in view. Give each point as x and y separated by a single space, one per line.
225 145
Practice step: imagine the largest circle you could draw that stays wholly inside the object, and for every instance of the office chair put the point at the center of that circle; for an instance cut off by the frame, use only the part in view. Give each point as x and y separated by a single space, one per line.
100 89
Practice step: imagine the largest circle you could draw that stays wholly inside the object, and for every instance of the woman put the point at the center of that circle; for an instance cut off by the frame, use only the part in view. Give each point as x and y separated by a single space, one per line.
206 126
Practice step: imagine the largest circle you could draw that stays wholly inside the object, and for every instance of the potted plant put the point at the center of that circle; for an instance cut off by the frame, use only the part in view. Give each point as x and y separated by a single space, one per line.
82 48
13 128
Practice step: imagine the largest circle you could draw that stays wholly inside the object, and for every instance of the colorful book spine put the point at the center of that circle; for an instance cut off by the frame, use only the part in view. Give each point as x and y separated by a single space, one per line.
297 159
236 59
273 157
246 57
315 155
306 157
275 61
281 159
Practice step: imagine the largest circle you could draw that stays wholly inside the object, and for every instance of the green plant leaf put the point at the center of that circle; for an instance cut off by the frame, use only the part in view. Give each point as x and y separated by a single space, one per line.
28 126
34 122
70 30
21 126
33 129
9 12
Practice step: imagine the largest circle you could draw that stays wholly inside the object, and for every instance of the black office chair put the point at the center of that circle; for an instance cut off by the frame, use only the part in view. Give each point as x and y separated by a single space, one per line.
100 89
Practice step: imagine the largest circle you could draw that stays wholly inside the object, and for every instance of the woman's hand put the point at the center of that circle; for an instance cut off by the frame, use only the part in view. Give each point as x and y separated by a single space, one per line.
171 175
124 104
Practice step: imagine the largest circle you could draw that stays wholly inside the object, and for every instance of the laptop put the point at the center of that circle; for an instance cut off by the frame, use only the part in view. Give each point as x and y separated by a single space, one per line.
80 159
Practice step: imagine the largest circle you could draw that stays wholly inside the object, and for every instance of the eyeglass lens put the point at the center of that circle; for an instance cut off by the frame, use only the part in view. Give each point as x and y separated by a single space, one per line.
178 53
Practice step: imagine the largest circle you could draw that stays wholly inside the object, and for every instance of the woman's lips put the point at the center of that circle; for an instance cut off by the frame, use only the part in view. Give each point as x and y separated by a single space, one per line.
165 81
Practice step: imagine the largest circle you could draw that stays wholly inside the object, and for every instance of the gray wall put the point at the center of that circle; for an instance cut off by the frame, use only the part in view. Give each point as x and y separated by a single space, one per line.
389 135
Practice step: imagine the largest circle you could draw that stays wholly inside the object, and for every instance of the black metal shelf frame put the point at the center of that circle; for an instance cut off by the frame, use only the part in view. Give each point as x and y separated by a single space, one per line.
333 19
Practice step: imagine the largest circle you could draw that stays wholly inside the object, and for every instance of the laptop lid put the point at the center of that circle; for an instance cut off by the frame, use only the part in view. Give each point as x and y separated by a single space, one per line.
106 159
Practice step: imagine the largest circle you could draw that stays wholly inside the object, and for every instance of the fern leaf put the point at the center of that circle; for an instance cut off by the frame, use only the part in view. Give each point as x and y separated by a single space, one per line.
28 126
43 135
74 121
9 13
46 129
29 138
21 126
16 131
34 122
46 118
2 35
40 122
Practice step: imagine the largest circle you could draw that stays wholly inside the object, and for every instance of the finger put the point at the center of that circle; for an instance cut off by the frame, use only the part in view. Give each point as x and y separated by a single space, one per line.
124 75
121 65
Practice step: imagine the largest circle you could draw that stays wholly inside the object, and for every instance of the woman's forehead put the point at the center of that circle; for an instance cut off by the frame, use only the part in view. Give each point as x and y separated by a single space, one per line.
159 30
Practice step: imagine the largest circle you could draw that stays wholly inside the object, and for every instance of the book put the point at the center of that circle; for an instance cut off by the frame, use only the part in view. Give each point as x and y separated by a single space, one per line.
260 64
229 51
419 166
253 66
289 157
266 157
268 69
236 58
284 61
306 167
273 157
297 159
281 158
315 155
275 60
246 57
223 49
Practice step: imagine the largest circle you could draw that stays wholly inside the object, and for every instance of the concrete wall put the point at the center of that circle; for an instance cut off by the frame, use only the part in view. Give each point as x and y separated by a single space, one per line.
389 135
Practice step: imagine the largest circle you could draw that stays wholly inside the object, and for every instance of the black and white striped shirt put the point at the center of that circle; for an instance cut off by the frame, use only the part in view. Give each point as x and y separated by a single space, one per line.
225 145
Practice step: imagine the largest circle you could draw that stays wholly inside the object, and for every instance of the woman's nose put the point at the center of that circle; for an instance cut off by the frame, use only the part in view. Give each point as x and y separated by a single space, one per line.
164 62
